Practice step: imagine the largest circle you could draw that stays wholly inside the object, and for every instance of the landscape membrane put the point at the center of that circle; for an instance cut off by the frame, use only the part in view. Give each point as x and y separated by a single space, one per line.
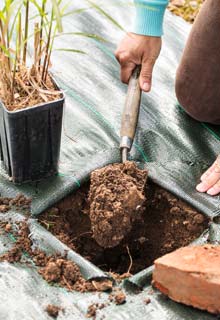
174 148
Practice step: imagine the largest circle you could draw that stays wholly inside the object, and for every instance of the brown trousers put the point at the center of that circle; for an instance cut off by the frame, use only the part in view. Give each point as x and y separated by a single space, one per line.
198 76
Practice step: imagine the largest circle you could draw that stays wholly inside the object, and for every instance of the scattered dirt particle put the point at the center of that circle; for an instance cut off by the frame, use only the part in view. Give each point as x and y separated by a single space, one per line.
147 300
118 297
92 309
20 202
4 208
53 310
13 255
8 227
51 272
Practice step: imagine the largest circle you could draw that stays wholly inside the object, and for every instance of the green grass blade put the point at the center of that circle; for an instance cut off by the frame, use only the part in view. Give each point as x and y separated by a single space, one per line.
83 34
104 13
57 14
70 50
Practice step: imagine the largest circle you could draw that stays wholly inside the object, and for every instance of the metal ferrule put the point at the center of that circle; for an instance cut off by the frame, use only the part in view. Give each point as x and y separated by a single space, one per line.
126 142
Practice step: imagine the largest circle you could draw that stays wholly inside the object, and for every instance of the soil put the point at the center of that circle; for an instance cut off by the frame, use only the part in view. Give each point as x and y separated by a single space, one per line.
147 300
116 197
93 308
53 268
118 297
20 202
165 224
53 311
29 90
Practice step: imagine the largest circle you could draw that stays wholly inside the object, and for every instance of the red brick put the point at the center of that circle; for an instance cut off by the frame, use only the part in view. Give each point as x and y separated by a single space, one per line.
191 275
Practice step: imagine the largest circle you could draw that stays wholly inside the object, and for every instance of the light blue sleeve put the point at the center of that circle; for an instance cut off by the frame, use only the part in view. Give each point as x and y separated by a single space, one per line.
149 17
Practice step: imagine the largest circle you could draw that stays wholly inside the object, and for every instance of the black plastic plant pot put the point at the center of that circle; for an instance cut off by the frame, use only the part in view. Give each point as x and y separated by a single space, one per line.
30 140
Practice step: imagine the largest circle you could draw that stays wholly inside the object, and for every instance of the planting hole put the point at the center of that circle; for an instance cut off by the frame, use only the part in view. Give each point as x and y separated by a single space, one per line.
167 223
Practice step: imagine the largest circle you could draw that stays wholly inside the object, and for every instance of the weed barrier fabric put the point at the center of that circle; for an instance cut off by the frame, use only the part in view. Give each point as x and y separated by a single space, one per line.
175 148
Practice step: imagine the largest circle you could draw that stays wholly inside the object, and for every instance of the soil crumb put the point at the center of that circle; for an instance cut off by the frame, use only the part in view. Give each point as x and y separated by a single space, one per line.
20 202
118 297
116 197
147 300
53 311
93 308
53 268
166 223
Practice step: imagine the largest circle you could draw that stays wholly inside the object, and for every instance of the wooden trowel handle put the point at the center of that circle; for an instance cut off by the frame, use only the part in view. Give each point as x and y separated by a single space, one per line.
132 106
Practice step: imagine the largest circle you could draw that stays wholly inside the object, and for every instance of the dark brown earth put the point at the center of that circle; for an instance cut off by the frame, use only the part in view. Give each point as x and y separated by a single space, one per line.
116 197
54 269
165 224
53 310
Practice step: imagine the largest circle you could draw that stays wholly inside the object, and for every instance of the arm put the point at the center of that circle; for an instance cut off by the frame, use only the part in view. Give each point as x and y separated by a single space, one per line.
142 45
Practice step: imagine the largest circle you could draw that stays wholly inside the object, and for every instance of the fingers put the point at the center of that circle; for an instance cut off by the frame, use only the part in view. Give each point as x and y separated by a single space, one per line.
215 189
146 74
210 180
126 71
207 172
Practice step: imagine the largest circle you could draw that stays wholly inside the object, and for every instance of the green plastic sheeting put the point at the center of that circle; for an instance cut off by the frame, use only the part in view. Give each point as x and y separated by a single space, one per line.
175 148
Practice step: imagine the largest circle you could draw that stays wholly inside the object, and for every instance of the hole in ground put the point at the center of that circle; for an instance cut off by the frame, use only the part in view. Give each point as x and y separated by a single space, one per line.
169 223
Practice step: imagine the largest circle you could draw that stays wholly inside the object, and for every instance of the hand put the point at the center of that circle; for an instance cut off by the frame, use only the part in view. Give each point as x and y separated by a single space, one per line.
135 50
210 180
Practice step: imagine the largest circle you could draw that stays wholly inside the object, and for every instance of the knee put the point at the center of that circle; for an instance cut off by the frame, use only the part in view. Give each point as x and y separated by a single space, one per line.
193 101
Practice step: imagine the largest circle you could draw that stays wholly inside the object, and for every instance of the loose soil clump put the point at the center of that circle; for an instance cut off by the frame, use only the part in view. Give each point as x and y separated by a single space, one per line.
165 224
93 308
116 197
53 268
118 297
53 311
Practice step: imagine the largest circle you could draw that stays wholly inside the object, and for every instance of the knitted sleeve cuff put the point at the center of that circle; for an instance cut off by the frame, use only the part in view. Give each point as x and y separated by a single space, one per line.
149 17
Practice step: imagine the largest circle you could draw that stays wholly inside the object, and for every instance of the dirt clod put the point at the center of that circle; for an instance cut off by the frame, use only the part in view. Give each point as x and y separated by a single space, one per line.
8 227
53 268
92 309
147 300
118 297
116 196
52 310
4 208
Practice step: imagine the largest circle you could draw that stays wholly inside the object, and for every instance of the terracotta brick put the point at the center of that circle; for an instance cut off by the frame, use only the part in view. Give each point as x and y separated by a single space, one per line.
191 275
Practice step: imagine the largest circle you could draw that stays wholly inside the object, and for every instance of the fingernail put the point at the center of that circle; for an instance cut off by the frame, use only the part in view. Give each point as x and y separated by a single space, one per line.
201 187
146 86
213 191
